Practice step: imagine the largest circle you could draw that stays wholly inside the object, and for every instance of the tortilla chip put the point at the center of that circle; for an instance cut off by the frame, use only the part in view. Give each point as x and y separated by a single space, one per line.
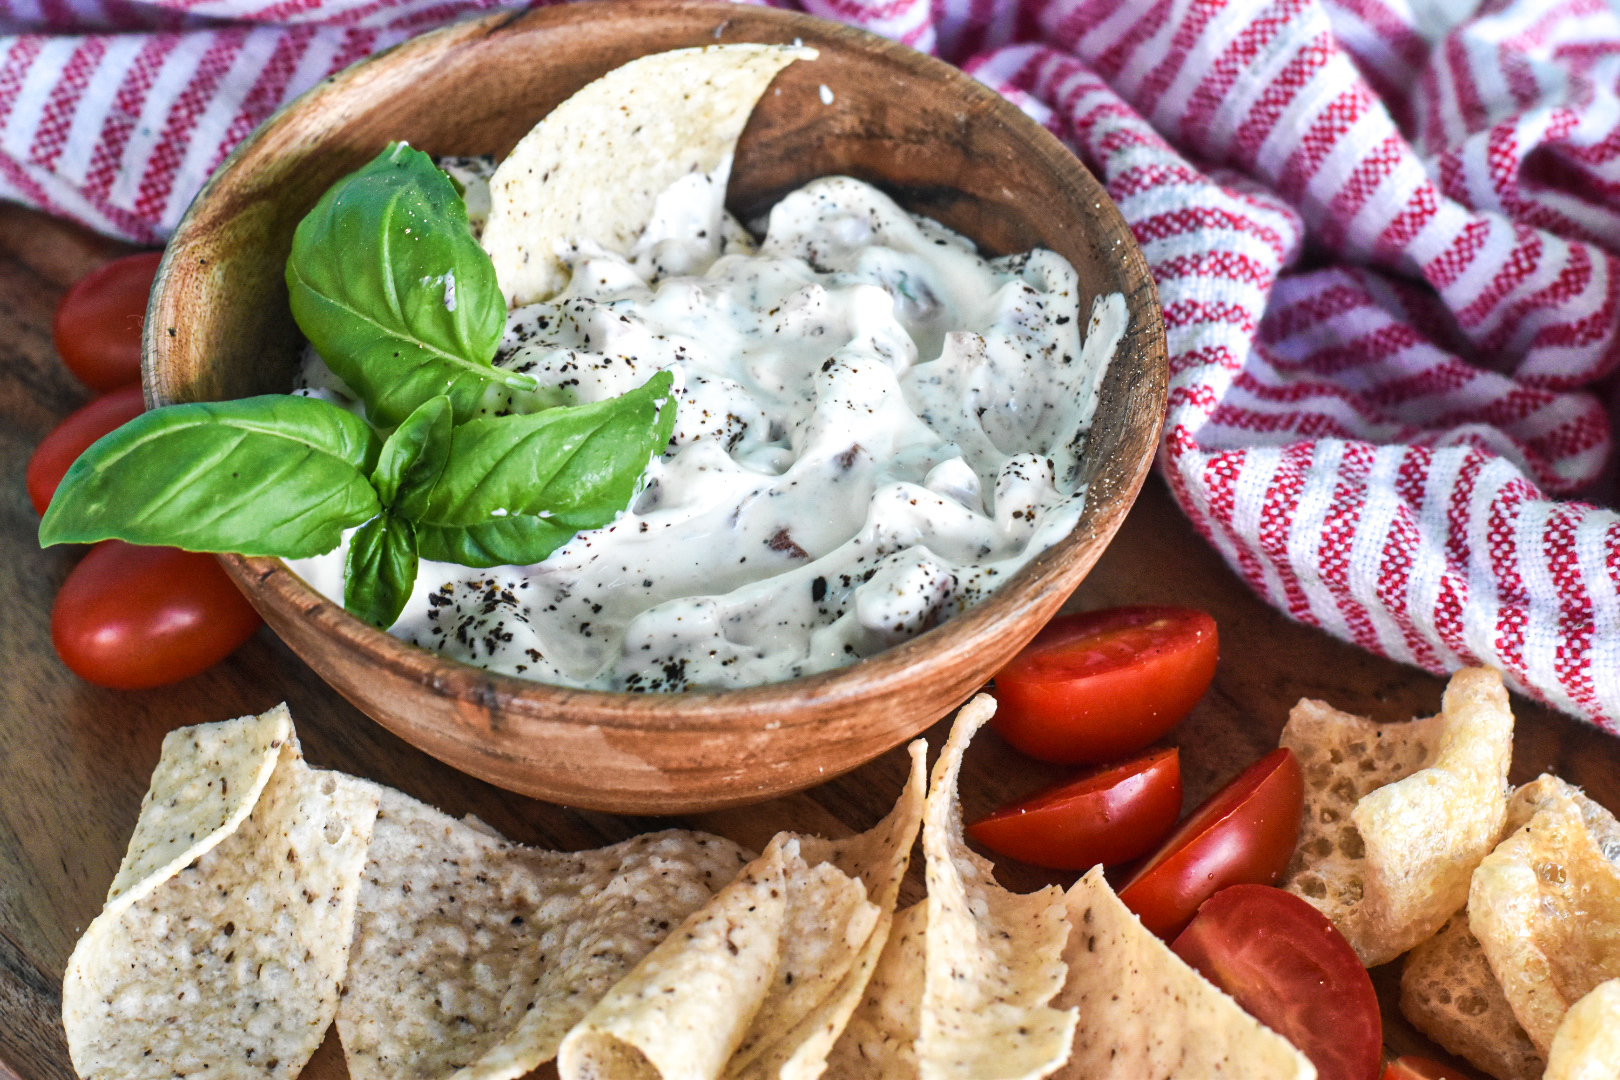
798 1050
993 958
473 956
1587 1045
880 1040
207 780
1398 815
1545 906
231 964
1145 1014
1450 994
595 166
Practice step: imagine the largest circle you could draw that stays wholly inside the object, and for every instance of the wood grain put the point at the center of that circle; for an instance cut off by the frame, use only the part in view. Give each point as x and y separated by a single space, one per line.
76 759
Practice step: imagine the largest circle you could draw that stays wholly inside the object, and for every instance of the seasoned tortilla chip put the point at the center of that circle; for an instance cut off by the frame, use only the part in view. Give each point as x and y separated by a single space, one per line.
473 956
595 166
207 780
1545 906
231 964
1450 994
1145 1014
993 958
1398 815
1587 1044
880 1040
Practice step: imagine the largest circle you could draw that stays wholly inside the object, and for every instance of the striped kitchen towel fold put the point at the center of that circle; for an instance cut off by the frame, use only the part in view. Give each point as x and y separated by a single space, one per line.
1386 253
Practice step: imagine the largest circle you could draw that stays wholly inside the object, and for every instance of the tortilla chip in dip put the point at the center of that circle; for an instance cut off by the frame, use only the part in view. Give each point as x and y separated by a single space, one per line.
594 167
1545 906
1587 1044
1145 1014
1398 815
232 962
473 956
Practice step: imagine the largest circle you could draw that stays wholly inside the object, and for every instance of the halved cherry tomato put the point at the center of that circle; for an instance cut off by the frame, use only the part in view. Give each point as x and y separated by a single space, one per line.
1109 815
1243 834
1097 686
1410 1067
130 617
98 323
62 447
1288 966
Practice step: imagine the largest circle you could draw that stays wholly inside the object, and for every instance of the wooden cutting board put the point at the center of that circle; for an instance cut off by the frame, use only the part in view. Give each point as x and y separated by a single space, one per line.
75 759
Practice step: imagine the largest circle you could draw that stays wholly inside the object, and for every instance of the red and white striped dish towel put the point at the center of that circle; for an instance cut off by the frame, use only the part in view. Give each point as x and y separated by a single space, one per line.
1388 263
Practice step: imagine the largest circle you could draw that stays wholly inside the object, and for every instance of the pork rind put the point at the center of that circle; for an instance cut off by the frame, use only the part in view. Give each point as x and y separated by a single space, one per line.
473 956
1545 906
761 981
1145 1014
230 963
595 166
1397 816
1587 1044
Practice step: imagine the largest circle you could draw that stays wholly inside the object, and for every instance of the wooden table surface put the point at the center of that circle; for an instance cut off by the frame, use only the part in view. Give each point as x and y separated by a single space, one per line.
75 759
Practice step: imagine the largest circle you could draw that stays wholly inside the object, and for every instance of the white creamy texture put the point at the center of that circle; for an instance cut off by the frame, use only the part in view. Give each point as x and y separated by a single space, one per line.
876 427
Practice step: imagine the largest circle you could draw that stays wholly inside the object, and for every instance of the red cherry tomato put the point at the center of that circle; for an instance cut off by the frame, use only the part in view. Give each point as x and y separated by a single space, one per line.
130 617
1097 686
1109 815
1409 1067
98 323
1243 834
1291 970
62 447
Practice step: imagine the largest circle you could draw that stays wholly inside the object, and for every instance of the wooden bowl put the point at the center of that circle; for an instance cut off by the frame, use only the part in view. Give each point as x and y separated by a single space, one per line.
942 144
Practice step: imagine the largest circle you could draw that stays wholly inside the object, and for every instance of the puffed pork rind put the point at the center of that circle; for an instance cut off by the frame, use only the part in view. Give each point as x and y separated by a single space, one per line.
762 980
1545 907
594 167
473 956
228 965
1145 1014
1397 816
1587 1043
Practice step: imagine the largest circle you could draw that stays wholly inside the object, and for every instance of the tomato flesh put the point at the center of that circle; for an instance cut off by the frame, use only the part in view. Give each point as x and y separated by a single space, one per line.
131 617
1094 687
1243 834
1109 815
1411 1067
1286 964
98 323
62 447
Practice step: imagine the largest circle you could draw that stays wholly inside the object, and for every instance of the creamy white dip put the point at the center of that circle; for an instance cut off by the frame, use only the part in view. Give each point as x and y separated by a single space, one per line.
876 427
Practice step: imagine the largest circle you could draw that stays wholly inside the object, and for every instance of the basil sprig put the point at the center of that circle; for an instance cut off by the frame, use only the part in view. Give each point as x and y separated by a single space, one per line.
389 284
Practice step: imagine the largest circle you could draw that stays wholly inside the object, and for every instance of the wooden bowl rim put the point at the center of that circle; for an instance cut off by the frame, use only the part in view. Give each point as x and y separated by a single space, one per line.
787 703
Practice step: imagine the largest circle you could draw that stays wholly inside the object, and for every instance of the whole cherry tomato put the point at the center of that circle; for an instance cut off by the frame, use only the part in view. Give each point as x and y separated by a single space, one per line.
1409 1067
1288 966
62 447
1108 815
1243 834
131 617
98 323
1097 686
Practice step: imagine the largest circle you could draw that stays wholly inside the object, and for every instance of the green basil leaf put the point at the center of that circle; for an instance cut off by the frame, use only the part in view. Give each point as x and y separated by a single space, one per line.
413 458
389 284
272 475
381 570
516 488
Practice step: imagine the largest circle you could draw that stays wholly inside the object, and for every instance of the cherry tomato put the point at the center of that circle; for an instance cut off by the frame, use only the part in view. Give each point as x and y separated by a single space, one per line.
1288 966
1108 815
62 447
98 323
1408 1067
130 617
1243 834
1097 686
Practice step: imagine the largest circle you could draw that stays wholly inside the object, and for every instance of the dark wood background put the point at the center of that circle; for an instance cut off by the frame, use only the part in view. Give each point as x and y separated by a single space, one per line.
75 759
